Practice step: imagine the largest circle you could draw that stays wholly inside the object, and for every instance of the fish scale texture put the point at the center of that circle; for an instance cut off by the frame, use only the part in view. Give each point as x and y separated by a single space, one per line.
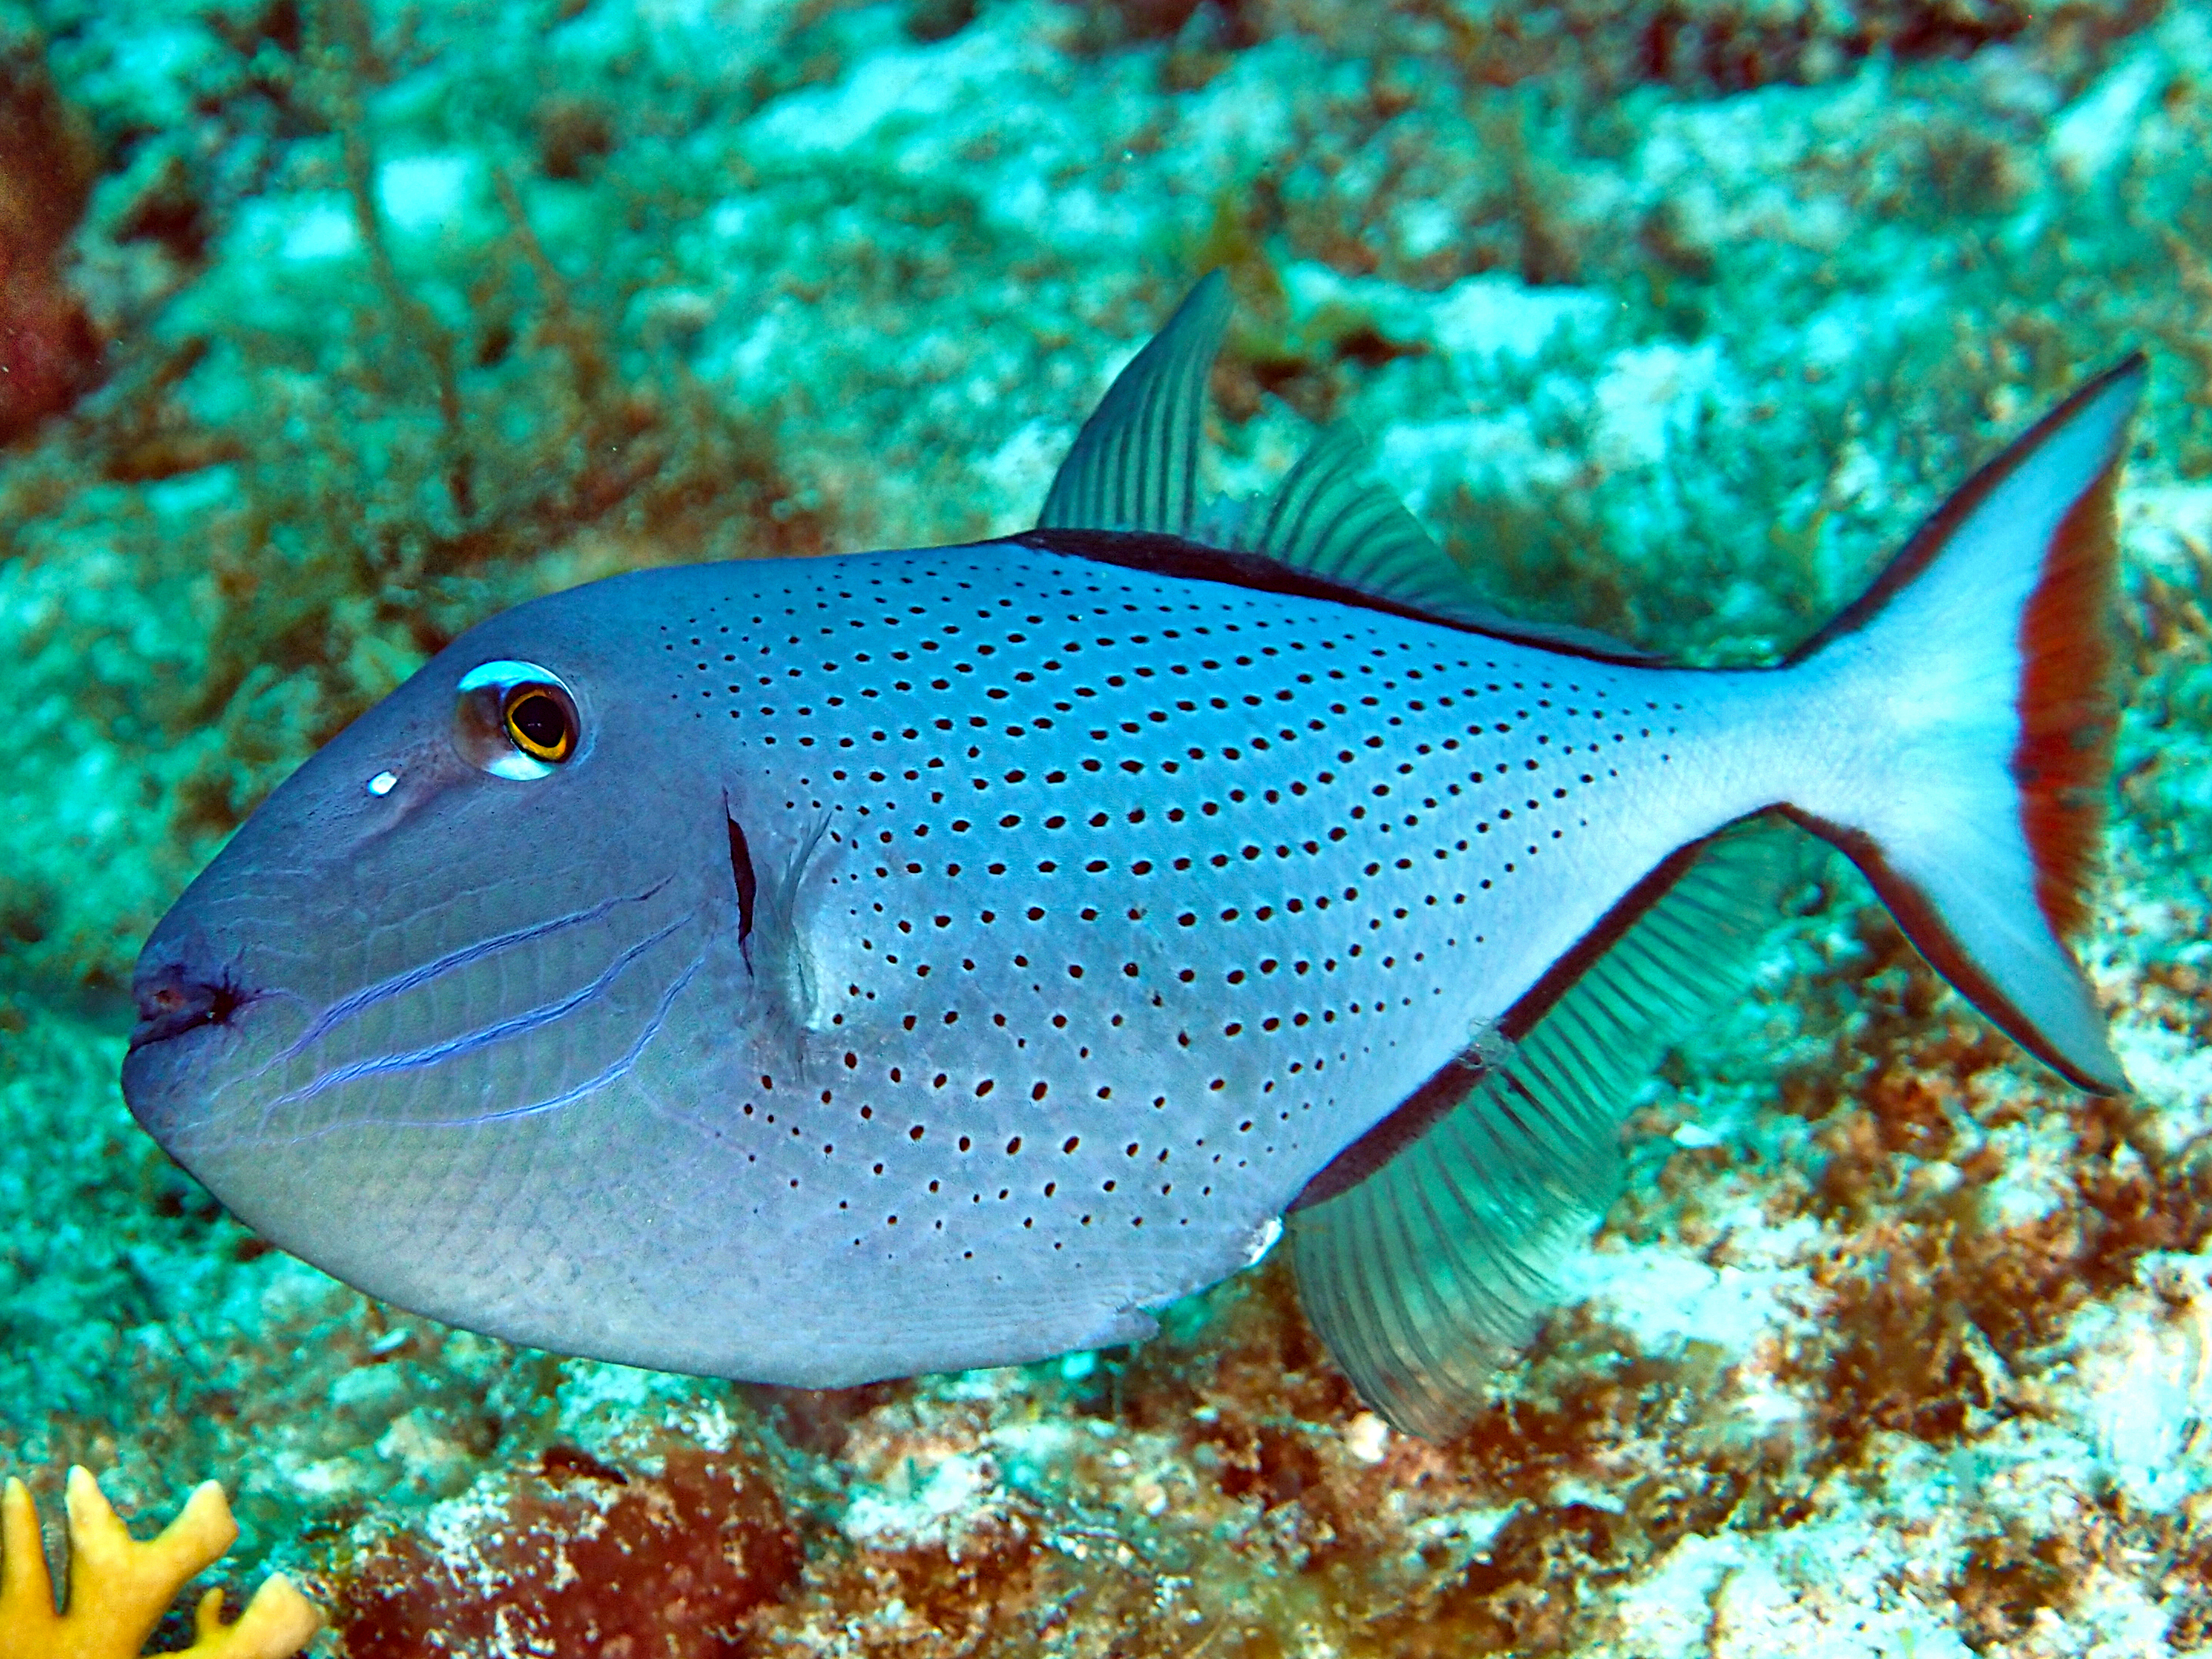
1156 891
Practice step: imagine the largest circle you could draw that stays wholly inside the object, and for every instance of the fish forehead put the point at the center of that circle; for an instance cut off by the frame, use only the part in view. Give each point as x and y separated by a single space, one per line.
1146 896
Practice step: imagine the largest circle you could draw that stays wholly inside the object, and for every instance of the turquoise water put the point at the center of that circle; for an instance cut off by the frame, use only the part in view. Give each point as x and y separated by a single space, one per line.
331 329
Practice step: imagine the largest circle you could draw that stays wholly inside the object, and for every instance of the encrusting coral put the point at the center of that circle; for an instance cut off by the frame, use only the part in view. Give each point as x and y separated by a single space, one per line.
119 1588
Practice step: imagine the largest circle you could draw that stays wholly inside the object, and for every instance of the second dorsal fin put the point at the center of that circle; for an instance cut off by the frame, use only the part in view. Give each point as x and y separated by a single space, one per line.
1331 518
1330 527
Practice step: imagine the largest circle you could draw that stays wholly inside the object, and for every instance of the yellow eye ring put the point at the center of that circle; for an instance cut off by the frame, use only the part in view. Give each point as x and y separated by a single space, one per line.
516 720
537 722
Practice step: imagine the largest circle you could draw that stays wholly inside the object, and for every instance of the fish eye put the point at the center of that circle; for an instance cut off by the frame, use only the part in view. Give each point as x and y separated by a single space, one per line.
537 720
515 720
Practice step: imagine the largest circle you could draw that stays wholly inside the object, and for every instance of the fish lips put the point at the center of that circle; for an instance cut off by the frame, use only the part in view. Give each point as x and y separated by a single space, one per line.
173 997
194 1019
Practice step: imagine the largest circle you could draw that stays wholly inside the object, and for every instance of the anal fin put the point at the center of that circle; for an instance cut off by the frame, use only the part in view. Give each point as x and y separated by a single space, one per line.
1430 1249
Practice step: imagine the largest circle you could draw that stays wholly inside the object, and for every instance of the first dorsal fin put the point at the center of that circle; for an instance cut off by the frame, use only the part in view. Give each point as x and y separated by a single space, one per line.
1135 465
1330 527
1430 1249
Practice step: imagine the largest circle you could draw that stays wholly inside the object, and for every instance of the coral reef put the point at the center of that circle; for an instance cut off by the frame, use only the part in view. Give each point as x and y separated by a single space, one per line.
118 1588
360 322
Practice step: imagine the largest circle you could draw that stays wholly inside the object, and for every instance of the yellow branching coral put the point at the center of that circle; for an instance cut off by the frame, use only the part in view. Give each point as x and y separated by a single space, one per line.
118 1588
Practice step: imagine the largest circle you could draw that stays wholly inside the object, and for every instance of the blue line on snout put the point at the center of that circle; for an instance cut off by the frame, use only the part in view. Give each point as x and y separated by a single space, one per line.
569 1097
384 990
514 1025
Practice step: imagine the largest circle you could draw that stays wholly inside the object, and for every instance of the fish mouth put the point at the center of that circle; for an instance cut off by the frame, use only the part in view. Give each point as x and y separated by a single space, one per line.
174 999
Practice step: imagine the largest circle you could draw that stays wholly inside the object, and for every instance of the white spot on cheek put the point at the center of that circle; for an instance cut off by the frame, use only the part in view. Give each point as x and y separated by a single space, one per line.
383 783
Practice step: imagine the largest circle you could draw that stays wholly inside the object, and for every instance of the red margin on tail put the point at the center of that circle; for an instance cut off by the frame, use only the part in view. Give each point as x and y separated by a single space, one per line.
2067 709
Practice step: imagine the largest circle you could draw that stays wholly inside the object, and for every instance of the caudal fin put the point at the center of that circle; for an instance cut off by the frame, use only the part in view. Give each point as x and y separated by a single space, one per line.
1966 702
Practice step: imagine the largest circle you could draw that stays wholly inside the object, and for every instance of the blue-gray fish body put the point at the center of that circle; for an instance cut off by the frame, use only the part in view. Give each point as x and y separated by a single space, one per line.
926 959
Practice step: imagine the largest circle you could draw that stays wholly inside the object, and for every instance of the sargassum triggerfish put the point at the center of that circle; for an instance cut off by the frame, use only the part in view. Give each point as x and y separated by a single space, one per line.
817 971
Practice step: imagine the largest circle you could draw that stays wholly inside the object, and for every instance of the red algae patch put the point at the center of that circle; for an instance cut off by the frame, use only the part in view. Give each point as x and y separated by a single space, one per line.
47 347
580 1557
